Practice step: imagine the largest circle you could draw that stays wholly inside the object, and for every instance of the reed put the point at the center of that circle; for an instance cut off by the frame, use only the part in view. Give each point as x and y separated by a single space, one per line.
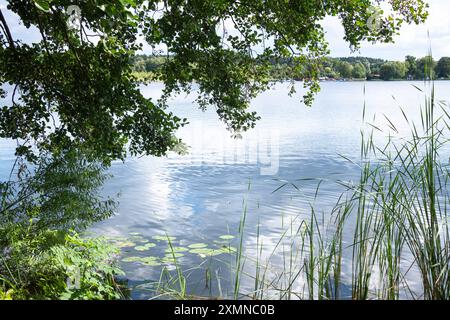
386 231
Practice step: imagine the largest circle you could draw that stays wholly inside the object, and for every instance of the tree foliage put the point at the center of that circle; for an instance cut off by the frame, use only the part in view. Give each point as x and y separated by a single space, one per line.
359 71
443 68
58 193
75 87
393 70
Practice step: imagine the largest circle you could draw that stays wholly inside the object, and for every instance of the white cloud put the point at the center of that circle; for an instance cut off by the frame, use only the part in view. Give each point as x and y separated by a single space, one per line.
413 39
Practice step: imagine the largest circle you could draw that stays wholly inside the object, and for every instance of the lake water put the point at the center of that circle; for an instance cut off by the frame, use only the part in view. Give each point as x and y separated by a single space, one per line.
200 197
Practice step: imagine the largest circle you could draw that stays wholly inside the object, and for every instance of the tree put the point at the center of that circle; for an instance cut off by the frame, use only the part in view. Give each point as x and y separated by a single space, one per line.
443 68
393 70
425 68
76 88
59 193
359 71
345 69
368 67
411 66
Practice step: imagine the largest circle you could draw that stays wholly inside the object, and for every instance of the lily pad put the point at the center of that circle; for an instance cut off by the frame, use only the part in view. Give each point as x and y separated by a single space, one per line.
197 246
170 260
145 247
227 237
221 242
203 252
125 244
176 249
163 238
131 259
226 249
176 254
150 261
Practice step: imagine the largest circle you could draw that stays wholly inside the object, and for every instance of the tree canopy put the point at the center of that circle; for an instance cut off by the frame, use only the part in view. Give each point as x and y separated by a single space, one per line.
75 86
443 67
393 70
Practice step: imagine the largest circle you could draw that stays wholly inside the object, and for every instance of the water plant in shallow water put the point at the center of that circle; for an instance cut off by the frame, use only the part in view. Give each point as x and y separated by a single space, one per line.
145 247
163 238
388 230
197 246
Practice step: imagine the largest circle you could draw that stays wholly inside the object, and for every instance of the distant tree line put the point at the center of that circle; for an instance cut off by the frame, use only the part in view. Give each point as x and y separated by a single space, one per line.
338 68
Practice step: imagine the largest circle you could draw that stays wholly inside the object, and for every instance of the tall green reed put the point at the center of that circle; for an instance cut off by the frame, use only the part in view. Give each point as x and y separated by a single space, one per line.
388 230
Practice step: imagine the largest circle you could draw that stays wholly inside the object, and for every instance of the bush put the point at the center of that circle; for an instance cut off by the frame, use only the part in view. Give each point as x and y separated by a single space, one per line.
39 257
58 266
59 193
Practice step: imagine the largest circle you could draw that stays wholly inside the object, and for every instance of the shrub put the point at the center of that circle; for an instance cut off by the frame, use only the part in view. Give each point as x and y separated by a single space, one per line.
57 266
39 257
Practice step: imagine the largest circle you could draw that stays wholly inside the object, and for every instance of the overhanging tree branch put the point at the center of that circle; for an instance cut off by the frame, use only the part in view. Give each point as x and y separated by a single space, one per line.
6 28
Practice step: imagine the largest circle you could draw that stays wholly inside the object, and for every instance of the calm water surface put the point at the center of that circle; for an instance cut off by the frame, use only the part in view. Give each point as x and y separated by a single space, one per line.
200 197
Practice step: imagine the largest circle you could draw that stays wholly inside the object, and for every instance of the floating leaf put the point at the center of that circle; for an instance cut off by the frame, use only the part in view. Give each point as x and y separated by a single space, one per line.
150 261
125 244
131 259
227 237
163 238
169 259
145 247
176 249
176 254
206 252
226 249
197 246
135 233
221 242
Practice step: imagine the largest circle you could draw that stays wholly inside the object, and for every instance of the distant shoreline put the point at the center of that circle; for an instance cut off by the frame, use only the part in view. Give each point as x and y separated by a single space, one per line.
148 77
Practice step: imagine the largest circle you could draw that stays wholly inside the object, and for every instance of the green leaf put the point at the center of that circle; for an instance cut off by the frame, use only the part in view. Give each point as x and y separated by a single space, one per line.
197 246
43 5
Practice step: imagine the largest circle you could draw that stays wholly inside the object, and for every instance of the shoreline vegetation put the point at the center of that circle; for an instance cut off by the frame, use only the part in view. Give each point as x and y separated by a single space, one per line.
148 68
390 223
75 106
387 237
388 230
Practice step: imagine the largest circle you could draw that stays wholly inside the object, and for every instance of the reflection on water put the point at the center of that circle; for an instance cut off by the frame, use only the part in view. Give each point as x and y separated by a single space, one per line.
199 197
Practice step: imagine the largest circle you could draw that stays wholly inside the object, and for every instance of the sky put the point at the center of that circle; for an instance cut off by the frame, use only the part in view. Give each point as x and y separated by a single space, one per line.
413 39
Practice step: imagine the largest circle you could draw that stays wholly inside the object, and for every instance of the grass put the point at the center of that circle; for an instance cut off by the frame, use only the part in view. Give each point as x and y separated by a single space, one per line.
386 232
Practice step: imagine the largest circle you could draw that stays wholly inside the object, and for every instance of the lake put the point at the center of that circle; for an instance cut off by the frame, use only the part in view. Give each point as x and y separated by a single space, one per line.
199 198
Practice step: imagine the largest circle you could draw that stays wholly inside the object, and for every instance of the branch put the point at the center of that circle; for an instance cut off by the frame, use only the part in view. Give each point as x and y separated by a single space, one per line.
8 32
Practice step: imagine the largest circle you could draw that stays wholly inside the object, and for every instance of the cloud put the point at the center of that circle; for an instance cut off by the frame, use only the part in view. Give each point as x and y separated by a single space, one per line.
413 39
